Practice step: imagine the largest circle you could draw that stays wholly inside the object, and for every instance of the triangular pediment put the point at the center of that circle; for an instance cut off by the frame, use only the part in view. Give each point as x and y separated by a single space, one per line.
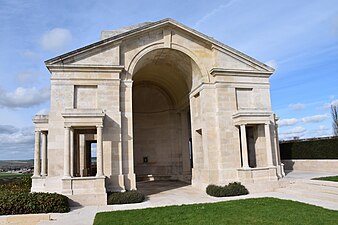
103 52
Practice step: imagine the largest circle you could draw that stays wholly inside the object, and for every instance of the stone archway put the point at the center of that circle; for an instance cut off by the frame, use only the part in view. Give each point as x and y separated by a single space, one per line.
162 83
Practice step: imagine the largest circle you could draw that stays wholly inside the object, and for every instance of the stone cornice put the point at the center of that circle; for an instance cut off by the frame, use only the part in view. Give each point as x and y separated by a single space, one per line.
85 68
76 113
40 119
247 73
251 117
83 117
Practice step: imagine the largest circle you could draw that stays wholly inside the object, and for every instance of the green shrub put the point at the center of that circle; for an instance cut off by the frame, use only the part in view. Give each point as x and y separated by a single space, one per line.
232 189
12 202
15 198
310 149
21 184
125 197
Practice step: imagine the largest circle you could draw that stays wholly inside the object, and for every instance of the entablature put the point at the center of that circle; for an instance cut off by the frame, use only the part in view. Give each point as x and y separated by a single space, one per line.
251 117
83 117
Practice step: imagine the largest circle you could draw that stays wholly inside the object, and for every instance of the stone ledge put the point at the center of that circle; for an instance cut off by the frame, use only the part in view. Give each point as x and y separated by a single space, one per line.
321 165
24 219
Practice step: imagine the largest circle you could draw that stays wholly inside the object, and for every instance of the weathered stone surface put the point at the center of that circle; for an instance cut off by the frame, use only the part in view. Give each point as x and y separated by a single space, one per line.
158 101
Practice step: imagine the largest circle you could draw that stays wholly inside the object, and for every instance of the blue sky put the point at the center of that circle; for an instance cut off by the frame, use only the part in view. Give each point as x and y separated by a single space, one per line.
298 38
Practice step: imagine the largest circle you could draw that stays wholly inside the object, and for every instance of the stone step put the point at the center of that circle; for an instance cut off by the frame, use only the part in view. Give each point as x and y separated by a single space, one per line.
304 192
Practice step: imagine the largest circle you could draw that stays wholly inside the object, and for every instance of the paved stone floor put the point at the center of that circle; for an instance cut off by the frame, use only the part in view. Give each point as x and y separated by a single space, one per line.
164 193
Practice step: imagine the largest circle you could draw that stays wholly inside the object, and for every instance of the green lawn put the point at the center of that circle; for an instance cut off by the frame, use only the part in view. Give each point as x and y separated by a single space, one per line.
248 211
331 178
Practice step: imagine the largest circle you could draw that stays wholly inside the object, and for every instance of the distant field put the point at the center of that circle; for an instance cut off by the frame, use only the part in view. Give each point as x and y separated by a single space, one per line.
9 175
6 165
16 162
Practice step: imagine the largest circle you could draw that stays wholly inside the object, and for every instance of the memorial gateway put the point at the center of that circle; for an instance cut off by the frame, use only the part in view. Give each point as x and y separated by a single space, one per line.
155 101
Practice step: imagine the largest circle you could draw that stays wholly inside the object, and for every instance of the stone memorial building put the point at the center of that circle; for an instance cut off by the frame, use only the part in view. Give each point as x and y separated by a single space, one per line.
155 101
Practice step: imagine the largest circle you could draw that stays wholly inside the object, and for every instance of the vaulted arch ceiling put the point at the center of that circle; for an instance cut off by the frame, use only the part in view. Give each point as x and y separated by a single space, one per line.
170 69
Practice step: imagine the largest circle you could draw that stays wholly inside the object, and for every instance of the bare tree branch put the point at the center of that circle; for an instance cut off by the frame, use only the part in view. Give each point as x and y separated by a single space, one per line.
334 114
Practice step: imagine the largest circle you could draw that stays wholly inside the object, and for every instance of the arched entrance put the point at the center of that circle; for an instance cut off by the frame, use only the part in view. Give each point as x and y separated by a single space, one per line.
162 82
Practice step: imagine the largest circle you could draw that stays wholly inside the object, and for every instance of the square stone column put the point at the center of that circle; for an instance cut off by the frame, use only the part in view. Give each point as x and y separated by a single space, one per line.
99 152
37 169
268 144
244 147
44 154
66 156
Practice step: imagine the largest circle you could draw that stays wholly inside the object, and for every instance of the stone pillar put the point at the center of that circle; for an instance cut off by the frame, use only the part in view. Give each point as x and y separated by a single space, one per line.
185 142
66 158
71 147
244 147
82 154
44 154
268 144
278 159
99 152
37 155
127 134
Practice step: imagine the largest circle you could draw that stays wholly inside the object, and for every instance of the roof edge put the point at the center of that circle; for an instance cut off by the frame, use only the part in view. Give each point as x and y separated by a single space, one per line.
117 37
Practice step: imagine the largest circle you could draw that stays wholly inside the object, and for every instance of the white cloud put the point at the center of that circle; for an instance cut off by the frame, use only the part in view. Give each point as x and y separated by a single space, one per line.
287 122
7 129
24 97
213 12
42 112
296 132
28 54
321 131
297 106
24 135
27 77
315 118
272 63
17 144
56 39
298 129
333 102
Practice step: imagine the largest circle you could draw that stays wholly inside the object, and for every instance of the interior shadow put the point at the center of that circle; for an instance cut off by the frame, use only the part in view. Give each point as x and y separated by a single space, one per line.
155 187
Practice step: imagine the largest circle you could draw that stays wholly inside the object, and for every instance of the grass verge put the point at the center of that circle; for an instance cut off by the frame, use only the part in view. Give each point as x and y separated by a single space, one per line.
246 211
331 178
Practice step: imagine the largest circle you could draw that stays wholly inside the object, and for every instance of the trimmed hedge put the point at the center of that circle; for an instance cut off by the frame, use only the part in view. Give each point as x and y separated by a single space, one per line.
25 203
15 198
310 149
232 189
125 197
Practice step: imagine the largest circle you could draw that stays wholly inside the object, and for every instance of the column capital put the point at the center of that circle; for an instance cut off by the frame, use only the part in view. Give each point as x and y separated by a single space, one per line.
99 126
